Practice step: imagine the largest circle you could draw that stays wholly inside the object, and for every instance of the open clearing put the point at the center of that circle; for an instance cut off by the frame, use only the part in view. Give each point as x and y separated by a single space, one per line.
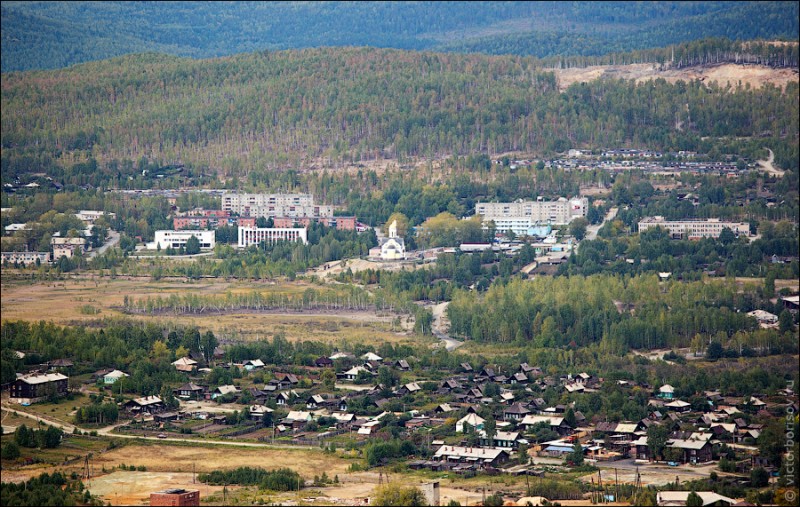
170 466
755 75
652 475
134 488
173 458
61 302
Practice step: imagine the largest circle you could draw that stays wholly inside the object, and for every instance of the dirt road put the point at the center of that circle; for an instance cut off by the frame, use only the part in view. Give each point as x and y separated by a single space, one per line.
768 167
441 325
109 431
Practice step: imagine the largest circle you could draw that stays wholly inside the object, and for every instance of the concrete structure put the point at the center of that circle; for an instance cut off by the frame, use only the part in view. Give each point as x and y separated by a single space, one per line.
694 229
246 221
67 247
26 258
524 217
178 497
32 388
177 239
431 492
341 223
275 205
202 219
255 235
179 223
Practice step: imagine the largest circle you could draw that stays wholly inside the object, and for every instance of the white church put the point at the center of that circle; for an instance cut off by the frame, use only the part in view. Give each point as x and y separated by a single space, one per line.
392 248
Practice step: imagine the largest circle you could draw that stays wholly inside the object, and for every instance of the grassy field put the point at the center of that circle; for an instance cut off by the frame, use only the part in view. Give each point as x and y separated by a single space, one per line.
62 410
65 302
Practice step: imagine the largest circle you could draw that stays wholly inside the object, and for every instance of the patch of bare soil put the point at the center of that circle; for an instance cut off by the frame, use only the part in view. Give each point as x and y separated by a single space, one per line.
356 488
769 166
134 488
336 267
655 475
727 73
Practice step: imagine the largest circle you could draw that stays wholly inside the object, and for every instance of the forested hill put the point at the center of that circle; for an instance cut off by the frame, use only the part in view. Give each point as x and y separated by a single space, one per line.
46 35
277 110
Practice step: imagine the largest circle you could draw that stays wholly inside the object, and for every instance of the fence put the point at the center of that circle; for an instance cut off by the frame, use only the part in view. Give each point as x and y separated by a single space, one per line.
247 429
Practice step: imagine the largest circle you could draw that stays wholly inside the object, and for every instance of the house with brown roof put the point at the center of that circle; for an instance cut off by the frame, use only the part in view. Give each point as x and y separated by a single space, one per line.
189 390
37 387
145 405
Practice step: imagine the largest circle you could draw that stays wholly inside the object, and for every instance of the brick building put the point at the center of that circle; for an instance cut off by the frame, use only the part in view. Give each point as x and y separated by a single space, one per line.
175 497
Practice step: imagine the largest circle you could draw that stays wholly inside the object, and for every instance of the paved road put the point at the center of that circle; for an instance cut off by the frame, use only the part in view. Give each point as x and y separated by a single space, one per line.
165 256
113 240
592 230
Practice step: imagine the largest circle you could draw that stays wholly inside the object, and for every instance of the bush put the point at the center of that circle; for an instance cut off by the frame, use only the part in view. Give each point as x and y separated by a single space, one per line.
11 451
494 500
395 494
282 479
759 477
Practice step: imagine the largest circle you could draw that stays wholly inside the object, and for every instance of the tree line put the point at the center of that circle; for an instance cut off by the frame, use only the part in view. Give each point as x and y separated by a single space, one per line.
618 312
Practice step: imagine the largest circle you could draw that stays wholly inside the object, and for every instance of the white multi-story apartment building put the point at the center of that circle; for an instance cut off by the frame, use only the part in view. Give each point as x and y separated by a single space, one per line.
177 239
255 235
521 216
275 205
26 258
67 247
710 228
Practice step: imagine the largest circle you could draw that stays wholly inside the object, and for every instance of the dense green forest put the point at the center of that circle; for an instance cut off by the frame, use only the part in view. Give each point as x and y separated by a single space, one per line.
740 21
46 35
705 51
616 311
46 489
268 111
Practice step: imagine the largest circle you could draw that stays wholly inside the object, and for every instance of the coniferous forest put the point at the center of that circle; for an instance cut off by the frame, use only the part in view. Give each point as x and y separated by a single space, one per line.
277 110
46 35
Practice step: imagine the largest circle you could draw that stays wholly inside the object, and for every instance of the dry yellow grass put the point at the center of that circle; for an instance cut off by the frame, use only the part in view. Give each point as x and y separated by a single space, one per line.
171 458
61 303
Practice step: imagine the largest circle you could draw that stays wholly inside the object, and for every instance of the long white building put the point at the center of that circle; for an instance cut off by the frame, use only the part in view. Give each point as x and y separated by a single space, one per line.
255 235
693 229
275 205
177 239
26 258
522 216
